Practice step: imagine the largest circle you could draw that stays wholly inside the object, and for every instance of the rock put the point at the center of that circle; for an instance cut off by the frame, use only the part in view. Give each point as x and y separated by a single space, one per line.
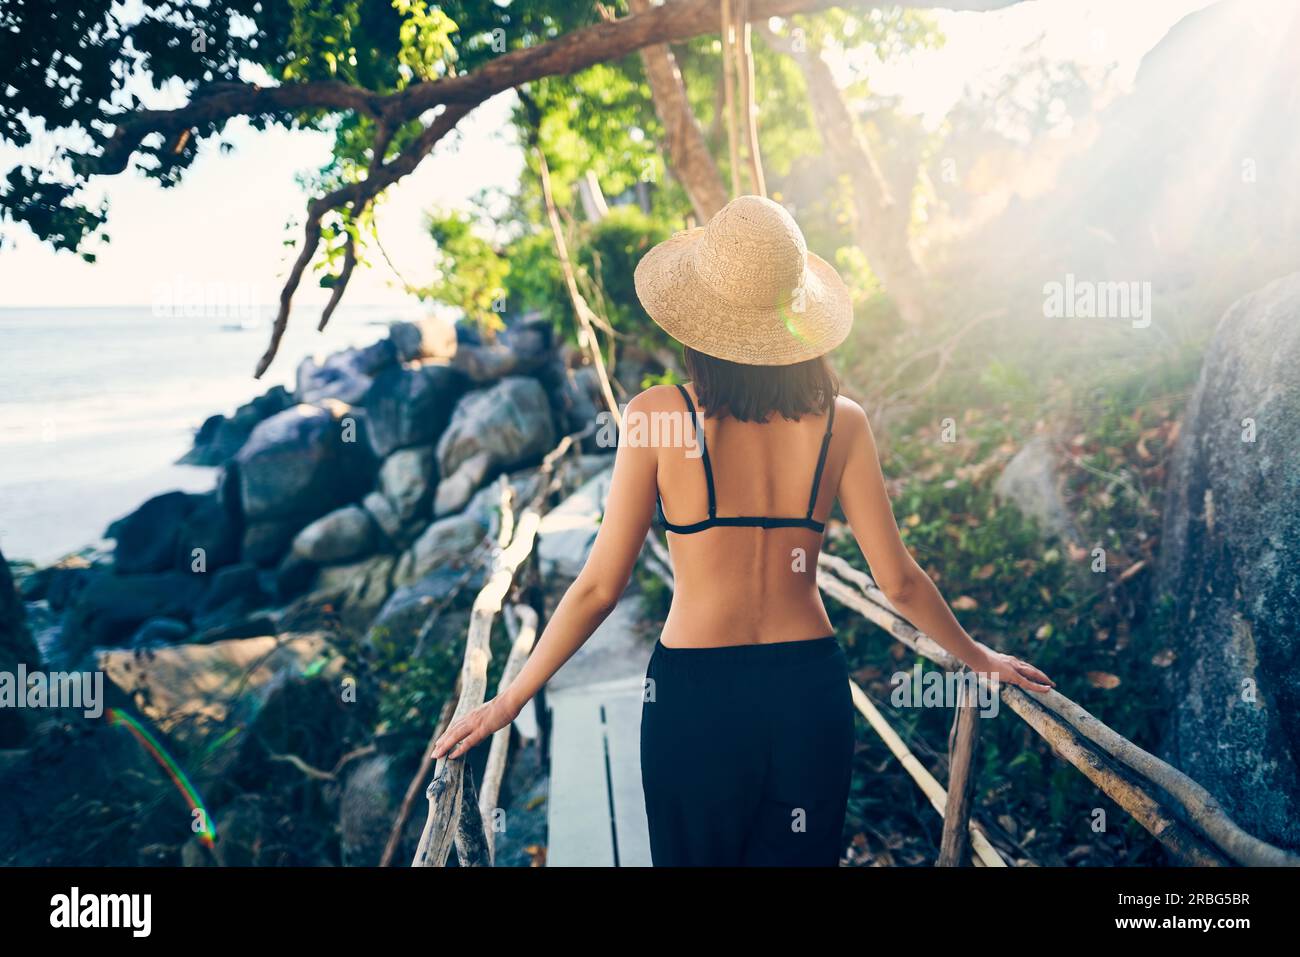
1032 482
157 632
511 422
402 615
165 531
219 438
234 592
194 693
213 530
455 491
292 577
147 538
407 479
360 587
248 626
344 534
1230 564
86 764
445 542
243 831
297 466
60 583
266 542
580 400
385 517
428 339
111 607
521 349
532 340
367 808
566 532
345 375
16 647
411 405
485 363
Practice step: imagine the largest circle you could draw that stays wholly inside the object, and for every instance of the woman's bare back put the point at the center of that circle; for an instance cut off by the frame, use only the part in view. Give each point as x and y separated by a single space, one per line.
745 585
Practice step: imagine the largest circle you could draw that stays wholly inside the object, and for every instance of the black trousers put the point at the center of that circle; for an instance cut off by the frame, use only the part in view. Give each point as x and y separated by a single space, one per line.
746 754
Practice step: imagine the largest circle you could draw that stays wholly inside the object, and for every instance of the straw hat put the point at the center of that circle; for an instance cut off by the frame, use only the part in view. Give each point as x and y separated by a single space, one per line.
744 287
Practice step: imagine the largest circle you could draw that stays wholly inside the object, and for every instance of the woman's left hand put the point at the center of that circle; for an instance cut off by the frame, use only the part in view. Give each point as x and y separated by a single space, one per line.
483 721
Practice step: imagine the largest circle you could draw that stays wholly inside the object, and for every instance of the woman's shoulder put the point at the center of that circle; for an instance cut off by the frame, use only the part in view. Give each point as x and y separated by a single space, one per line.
657 398
848 412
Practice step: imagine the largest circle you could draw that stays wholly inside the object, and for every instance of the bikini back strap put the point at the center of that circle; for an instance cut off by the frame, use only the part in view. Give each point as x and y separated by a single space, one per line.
821 460
698 425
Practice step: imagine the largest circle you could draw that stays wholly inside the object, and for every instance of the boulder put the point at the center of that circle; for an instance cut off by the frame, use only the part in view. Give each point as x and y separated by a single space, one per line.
458 488
196 692
385 517
110 607
411 405
344 534
147 538
407 479
16 647
298 466
84 764
291 578
1033 483
402 615
165 531
60 583
213 529
368 804
265 543
431 338
447 541
361 587
511 422
346 375
235 591
520 349
220 437
566 533
157 632
579 401
1230 566
254 625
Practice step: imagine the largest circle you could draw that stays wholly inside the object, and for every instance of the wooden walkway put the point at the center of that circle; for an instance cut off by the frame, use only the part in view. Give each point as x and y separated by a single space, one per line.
596 815
595 808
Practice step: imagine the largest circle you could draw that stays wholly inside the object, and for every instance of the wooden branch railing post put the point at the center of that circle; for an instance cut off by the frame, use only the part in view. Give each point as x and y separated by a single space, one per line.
454 818
962 742
1198 833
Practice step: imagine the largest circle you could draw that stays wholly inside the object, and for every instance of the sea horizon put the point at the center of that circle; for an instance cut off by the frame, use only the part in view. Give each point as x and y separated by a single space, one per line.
97 404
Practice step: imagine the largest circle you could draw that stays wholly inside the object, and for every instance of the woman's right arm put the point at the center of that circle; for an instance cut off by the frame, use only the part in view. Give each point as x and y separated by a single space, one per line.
866 506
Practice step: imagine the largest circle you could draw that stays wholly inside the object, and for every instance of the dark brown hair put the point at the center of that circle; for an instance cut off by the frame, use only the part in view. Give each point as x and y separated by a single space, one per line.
752 393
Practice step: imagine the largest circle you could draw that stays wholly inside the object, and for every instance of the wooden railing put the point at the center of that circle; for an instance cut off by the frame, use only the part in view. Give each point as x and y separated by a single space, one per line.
456 813
1177 811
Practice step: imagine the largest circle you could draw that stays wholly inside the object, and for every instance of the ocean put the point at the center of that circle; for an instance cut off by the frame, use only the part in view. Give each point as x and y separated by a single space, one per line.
96 406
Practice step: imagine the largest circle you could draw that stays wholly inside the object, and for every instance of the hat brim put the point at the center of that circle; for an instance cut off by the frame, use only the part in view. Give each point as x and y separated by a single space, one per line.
812 323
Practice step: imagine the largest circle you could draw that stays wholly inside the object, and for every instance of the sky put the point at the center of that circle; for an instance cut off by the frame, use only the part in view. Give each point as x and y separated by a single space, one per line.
225 226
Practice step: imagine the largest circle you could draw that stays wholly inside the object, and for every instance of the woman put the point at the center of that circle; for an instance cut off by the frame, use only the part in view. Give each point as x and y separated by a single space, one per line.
747 727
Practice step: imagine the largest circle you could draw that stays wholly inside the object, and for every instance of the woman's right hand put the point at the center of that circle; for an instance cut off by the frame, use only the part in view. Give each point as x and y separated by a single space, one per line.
1013 671
484 721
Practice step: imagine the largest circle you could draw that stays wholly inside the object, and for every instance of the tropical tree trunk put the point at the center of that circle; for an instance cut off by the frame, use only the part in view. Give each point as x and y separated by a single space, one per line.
687 153
882 221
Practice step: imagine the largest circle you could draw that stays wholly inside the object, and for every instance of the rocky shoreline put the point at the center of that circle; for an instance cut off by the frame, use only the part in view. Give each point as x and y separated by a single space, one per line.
343 513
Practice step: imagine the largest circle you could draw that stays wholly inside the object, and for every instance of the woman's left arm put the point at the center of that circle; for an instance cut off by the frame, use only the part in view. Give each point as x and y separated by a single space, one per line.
588 601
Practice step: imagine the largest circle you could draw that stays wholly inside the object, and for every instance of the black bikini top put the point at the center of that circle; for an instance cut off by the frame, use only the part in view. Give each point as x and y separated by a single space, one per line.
748 521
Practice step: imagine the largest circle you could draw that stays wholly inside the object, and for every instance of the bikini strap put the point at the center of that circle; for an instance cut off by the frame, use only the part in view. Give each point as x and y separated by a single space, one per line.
698 425
821 459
